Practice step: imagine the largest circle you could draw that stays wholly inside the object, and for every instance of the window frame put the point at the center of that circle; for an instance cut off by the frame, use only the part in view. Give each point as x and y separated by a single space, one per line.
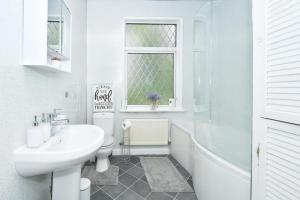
176 51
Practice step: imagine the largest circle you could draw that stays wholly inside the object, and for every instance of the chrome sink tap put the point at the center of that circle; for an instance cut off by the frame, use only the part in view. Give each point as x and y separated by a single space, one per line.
56 112
58 120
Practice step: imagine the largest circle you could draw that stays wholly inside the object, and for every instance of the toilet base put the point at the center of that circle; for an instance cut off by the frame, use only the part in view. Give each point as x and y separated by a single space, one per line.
103 164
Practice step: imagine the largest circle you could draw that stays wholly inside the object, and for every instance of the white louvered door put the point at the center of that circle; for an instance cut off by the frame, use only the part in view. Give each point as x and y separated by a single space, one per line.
280 161
276 100
282 50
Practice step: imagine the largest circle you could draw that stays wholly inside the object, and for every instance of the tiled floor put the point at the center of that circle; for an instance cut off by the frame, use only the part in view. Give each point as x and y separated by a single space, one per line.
133 184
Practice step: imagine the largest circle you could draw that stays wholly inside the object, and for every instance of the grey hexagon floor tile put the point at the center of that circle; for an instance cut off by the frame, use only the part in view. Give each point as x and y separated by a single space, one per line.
186 196
141 188
172 194
113 190
155 155
115 159
129 195
124 165
134 159
100 195
121 171
94 189
139 164
136 172
144 178
127 179
159 196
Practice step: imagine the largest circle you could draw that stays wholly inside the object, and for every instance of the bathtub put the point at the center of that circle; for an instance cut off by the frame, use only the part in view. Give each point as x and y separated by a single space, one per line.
181 143
214 178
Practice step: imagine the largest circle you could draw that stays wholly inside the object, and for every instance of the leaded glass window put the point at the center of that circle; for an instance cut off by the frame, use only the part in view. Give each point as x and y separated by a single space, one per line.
150 35
149 72
150 62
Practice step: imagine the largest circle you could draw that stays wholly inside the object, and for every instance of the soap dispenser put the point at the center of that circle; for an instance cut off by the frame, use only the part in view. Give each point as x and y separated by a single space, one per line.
45 127
34 135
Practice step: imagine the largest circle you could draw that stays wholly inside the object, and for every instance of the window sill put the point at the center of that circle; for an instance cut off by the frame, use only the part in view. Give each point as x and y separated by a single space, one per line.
158 110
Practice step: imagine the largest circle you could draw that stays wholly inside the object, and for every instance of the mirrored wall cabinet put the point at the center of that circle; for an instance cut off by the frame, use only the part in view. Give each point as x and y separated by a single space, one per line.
47 35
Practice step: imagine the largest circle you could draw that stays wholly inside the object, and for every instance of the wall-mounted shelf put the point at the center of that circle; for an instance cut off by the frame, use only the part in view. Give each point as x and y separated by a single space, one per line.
54 54
47 35
48 67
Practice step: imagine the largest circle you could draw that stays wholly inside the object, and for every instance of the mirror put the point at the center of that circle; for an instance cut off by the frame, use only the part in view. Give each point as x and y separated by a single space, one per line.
59 24
54 25
66 32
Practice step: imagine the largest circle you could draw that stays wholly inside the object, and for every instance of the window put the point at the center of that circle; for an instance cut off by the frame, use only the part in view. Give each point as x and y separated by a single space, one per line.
152 64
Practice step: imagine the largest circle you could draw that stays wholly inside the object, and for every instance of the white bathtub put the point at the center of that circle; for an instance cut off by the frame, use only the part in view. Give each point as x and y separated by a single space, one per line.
181 144
214 178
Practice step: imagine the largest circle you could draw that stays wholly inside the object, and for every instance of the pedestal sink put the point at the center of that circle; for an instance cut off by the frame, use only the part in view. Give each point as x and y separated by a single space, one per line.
63 155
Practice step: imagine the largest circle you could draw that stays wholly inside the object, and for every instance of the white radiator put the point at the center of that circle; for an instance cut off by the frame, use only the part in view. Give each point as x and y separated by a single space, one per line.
149 131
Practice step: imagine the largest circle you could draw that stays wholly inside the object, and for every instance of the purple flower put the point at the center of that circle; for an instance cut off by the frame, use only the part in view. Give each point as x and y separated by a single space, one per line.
152 96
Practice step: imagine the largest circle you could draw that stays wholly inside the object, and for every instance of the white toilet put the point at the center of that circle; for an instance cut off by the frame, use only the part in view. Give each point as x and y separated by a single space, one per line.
106 122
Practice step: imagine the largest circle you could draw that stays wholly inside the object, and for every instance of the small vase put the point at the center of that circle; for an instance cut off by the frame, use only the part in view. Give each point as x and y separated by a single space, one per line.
154 105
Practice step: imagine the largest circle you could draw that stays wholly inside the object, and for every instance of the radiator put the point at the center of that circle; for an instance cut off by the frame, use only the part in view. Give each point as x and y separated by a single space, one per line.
149 132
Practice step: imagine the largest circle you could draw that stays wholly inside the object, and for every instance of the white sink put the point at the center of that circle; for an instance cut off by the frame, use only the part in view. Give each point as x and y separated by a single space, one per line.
63 154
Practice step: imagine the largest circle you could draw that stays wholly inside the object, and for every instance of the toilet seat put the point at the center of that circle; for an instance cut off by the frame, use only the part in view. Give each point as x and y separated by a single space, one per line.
108 141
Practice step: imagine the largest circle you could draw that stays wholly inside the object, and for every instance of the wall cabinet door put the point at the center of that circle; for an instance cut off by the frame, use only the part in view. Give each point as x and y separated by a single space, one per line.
47 35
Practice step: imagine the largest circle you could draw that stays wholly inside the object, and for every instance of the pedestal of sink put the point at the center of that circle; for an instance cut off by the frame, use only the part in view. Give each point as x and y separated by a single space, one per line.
66 184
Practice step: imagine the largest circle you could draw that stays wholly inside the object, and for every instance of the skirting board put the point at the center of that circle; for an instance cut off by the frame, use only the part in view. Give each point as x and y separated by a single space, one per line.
143 150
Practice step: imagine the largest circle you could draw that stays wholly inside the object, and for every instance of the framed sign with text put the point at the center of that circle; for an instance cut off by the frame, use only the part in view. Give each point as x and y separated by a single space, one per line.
102 97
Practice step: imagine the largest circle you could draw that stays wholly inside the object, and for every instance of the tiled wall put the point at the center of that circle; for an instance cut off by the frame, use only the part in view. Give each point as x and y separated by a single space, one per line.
25 92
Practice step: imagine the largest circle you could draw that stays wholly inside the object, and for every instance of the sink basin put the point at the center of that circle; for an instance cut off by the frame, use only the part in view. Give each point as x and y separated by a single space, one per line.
73 145
63 154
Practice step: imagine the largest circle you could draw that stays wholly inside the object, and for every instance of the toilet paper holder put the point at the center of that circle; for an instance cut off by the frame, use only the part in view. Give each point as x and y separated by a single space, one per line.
125 144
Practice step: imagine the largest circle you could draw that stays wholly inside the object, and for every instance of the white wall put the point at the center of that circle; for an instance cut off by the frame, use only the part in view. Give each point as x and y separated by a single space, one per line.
25 92
105 57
